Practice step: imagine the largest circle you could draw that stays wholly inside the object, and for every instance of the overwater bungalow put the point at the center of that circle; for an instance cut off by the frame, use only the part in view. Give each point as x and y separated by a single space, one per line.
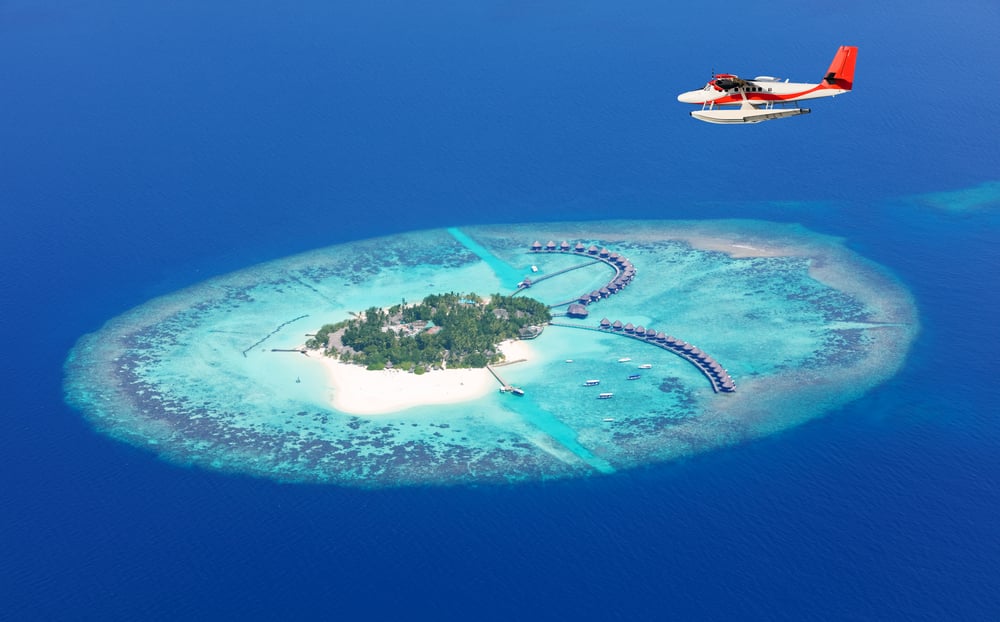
564 246
617 325
537 246
630 328
550 245
577 310
593 250
579 248
605 323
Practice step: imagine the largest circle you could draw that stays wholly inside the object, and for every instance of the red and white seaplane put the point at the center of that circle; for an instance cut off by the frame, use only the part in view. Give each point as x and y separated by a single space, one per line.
765 98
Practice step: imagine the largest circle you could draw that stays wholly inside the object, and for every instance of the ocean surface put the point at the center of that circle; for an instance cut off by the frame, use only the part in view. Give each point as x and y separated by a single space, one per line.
145 148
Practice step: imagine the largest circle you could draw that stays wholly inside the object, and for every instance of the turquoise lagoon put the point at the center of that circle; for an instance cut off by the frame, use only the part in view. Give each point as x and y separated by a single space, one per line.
801 323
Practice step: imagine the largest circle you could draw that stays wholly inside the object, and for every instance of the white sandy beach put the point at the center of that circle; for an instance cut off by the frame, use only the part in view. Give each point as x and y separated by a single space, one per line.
359 391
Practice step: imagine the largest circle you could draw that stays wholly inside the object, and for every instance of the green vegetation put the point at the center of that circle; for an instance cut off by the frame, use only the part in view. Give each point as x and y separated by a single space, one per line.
444 330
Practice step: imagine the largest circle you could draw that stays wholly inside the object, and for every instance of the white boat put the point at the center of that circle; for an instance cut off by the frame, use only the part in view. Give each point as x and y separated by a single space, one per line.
624 360
608 419
591 383
645 366
605 396
569 360
534 268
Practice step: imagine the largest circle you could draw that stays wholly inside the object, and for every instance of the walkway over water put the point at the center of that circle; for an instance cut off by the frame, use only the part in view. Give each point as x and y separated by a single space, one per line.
624 274
716 374
624 270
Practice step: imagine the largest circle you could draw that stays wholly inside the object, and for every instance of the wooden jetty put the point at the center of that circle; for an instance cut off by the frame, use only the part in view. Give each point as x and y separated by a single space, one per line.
624 270
720 379
624 274
505 387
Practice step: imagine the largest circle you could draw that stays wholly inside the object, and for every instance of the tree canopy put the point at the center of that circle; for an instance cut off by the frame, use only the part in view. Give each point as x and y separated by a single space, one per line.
444 330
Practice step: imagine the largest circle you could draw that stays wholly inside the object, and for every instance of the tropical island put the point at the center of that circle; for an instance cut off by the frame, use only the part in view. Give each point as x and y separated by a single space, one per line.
443 331
216 374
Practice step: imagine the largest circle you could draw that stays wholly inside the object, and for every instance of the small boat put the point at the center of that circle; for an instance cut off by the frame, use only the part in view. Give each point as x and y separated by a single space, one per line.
569 360
591 383
517 391
624 360
645 366
608 419
634 376
534 268
605 396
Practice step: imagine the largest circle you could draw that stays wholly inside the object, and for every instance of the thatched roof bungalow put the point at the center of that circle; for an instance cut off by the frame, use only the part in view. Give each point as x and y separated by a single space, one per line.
577 310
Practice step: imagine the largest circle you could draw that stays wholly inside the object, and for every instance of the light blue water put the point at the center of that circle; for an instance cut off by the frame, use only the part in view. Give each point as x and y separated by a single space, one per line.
802 324
148 146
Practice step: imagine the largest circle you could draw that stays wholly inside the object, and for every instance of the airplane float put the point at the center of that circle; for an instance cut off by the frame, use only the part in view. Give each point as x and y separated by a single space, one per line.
765 98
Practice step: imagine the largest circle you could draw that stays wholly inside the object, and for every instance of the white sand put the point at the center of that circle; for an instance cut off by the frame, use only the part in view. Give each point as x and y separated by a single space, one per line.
359 391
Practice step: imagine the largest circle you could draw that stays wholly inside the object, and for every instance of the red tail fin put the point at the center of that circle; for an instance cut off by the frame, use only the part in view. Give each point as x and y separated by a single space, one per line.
840 75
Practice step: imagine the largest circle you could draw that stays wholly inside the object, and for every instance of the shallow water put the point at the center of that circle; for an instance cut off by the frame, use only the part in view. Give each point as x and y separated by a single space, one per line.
800 323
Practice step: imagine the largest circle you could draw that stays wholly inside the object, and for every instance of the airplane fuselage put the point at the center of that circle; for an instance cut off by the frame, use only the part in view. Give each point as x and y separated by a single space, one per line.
765 98
758 90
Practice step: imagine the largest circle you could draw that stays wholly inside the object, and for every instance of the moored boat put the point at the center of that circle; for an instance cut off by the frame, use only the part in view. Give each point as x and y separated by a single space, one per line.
605 396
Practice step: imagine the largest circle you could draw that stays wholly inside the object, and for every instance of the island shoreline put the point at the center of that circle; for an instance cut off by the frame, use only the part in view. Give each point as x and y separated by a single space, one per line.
355 390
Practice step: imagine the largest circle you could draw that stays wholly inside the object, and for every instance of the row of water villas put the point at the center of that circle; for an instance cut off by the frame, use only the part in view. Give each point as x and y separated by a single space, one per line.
624 271
719 377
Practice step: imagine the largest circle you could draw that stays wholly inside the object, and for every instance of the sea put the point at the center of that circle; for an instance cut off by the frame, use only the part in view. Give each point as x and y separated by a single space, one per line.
146 147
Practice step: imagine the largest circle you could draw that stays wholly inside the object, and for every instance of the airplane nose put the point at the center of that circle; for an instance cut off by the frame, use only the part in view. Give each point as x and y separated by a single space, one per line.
691 97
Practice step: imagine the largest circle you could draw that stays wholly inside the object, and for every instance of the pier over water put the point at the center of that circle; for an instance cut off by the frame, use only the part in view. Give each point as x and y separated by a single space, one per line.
625 272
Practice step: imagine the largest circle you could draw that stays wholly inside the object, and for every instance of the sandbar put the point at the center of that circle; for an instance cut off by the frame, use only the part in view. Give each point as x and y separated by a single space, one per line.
359 391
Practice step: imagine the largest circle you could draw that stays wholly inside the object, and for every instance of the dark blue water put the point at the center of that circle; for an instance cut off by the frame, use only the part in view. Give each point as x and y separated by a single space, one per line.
147 146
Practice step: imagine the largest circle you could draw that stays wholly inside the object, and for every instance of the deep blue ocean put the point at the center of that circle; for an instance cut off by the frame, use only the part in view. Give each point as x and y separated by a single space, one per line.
146 146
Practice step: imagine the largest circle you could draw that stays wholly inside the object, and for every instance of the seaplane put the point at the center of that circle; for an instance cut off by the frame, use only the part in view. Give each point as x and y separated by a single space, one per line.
727 98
